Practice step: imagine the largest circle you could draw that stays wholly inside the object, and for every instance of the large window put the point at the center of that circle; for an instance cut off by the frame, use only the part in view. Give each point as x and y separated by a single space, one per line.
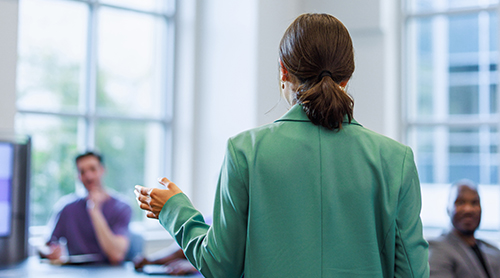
452 122
95 75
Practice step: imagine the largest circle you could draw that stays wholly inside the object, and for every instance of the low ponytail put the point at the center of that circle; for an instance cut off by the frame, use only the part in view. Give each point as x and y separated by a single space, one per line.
326 103
316 50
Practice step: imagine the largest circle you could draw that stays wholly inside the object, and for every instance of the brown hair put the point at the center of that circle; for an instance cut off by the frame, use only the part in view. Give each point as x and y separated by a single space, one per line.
317 50
90 153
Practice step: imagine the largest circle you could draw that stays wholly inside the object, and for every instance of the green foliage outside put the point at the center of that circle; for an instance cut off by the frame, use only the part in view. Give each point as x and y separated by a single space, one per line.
123 147
55 143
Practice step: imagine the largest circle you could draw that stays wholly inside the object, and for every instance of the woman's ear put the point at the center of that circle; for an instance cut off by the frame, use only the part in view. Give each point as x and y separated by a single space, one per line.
283 73
344 83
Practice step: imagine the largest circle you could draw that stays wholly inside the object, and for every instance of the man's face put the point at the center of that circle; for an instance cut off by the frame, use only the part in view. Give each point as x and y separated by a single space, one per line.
465 212
90 172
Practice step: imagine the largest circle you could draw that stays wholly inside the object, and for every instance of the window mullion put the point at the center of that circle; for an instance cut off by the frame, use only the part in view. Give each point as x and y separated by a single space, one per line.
497 95
484 65
91 77
441 95
484 87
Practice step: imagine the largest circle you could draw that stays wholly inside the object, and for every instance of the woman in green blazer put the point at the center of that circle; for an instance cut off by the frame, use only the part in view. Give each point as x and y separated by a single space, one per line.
313 194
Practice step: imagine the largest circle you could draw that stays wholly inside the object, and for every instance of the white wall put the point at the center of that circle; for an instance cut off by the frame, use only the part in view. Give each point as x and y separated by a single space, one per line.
272 20
215 90
8 60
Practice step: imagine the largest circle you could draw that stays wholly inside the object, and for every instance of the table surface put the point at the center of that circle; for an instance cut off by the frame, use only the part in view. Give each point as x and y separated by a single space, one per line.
33 267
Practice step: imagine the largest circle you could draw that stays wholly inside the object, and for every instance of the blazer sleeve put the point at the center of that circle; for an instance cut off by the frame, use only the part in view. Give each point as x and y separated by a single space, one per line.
411 247
219 250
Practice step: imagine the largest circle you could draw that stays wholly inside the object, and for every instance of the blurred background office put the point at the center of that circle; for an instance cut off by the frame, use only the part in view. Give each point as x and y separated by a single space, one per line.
158 86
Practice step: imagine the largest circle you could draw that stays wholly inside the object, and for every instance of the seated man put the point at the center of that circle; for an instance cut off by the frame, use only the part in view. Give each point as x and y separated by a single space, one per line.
95 225
458 253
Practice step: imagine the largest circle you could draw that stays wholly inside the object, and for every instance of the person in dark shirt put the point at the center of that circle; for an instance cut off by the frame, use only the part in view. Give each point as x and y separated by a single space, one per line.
95 225
458 253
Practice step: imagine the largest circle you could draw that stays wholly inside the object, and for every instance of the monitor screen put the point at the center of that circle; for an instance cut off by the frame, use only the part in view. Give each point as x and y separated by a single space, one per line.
6 168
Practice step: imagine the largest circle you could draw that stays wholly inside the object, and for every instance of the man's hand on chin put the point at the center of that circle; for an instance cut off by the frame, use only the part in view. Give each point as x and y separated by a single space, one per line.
96 198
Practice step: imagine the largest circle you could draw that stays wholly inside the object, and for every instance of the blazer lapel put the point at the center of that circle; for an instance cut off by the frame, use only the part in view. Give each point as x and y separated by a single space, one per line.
467 254
487 259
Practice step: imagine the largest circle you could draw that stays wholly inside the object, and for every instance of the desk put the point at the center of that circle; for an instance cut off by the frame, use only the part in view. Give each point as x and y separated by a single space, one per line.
33 268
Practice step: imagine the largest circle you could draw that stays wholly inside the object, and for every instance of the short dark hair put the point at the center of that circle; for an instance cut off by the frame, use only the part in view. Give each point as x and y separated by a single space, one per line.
452 194
90 153
466 182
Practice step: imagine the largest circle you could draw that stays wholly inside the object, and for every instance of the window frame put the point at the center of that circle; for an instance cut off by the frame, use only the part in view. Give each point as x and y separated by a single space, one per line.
444 122
88 117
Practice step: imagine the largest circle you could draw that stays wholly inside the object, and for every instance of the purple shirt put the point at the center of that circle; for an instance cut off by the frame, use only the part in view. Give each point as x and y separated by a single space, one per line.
73 223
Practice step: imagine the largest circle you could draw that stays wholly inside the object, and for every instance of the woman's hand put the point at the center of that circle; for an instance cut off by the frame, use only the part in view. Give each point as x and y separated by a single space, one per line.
152 200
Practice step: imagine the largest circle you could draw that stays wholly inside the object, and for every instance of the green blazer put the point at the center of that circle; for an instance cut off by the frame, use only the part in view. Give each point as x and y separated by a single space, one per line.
297 200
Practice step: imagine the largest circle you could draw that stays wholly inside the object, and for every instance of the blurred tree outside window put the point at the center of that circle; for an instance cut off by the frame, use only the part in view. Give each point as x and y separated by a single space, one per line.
94 75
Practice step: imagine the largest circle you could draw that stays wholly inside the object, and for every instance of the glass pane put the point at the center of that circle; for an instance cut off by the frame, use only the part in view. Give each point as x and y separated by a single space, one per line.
147 5
464 100
453 74
131 153
421 5
440 5
473 154
446 154
493 38
464 154
415 6
52 49
493 26
54 148
129 63
460 25
421 63
424 153
463 3
494 173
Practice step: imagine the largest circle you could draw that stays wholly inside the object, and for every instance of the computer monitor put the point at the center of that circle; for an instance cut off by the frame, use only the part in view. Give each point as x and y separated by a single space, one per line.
15 163
6 173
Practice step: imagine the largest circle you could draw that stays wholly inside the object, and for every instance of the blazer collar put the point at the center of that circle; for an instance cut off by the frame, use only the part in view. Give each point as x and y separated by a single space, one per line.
297 114
468 254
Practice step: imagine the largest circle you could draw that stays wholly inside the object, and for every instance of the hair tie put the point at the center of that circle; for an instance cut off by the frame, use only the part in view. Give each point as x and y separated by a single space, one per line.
325 73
